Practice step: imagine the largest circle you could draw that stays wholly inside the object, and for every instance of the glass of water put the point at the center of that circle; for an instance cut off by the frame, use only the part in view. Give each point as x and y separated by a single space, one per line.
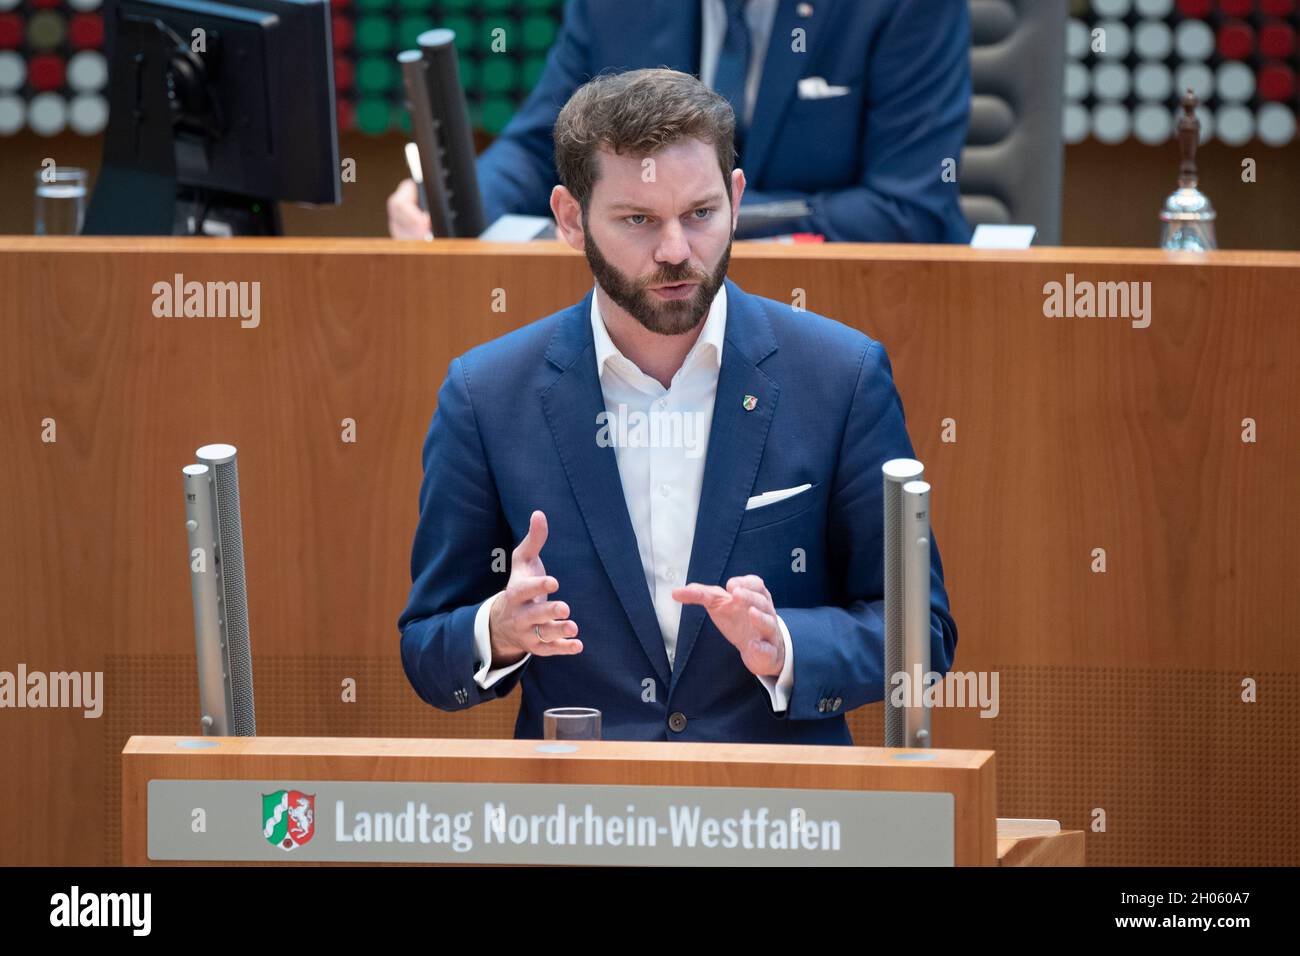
571 723
60 200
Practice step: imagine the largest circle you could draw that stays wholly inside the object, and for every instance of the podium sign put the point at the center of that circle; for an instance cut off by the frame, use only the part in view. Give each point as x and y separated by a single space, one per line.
294 821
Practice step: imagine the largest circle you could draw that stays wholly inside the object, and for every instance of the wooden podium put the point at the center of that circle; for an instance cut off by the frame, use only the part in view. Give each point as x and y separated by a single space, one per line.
907 777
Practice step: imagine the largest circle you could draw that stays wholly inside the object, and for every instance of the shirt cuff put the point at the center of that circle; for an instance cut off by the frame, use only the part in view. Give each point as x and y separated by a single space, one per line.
779 687
483 647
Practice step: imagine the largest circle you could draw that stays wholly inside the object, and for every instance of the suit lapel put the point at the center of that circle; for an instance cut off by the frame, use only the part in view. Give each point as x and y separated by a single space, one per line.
571 405
736 440
737 437
782 69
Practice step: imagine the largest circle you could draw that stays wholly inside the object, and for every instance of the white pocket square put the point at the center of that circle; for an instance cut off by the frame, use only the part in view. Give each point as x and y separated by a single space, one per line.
816 88
772 497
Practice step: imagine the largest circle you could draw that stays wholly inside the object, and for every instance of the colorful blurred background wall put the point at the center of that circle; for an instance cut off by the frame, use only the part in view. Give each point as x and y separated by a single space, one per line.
1127 62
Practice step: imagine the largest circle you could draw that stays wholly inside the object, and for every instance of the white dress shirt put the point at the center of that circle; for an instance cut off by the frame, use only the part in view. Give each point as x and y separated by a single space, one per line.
661 439
759 15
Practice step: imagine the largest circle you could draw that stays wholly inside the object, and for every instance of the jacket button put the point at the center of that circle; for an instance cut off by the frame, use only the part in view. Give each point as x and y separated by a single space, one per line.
821 706
677 722
838 701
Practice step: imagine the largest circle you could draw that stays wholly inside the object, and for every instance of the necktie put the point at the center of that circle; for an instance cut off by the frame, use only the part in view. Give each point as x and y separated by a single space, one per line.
733 65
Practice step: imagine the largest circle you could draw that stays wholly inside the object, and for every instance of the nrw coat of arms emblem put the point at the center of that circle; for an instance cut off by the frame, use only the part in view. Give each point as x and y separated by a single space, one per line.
288 818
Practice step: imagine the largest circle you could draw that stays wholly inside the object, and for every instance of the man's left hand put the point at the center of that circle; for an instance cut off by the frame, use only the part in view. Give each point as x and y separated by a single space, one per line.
743 612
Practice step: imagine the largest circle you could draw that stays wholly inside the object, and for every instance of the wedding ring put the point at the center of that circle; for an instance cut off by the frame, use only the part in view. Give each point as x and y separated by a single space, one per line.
537 629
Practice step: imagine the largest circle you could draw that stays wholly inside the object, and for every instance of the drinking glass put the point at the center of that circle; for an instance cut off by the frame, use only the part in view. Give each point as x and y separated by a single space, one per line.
60 200
571 723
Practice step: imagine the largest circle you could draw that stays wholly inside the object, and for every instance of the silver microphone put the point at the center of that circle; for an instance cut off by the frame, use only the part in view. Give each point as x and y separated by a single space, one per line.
896 473
217 586
915 548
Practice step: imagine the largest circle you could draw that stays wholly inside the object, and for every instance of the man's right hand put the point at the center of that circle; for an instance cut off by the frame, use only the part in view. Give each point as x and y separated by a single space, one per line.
406 220
524 605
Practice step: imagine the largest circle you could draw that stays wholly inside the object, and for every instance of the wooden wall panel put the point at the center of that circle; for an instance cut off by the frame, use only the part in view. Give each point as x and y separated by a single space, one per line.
1072 434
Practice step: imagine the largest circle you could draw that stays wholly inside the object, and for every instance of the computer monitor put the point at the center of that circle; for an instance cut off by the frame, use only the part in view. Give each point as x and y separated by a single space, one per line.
217 110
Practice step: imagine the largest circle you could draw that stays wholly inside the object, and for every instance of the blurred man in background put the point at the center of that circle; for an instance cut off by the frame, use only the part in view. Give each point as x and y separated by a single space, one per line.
847 108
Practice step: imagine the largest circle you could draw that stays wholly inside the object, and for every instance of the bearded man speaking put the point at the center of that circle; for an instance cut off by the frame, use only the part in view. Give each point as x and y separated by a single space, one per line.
688 475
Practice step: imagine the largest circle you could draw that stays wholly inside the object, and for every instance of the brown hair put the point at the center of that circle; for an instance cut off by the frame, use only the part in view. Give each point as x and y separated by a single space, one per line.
638 113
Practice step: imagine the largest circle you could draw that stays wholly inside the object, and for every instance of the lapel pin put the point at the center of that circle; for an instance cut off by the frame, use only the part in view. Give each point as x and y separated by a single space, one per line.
804 9
750 403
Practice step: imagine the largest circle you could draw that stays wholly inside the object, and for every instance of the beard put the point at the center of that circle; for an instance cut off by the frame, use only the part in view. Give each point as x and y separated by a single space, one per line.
633 296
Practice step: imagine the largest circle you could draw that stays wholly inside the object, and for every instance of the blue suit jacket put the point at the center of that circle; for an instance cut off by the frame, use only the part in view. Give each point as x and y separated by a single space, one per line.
515 430
869 163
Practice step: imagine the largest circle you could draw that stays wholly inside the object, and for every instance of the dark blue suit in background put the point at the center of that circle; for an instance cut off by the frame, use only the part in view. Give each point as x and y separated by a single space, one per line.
870 162
516 430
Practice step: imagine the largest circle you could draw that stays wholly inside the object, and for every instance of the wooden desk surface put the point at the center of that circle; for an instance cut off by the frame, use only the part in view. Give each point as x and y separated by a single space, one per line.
806 252
615 751
1047 846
